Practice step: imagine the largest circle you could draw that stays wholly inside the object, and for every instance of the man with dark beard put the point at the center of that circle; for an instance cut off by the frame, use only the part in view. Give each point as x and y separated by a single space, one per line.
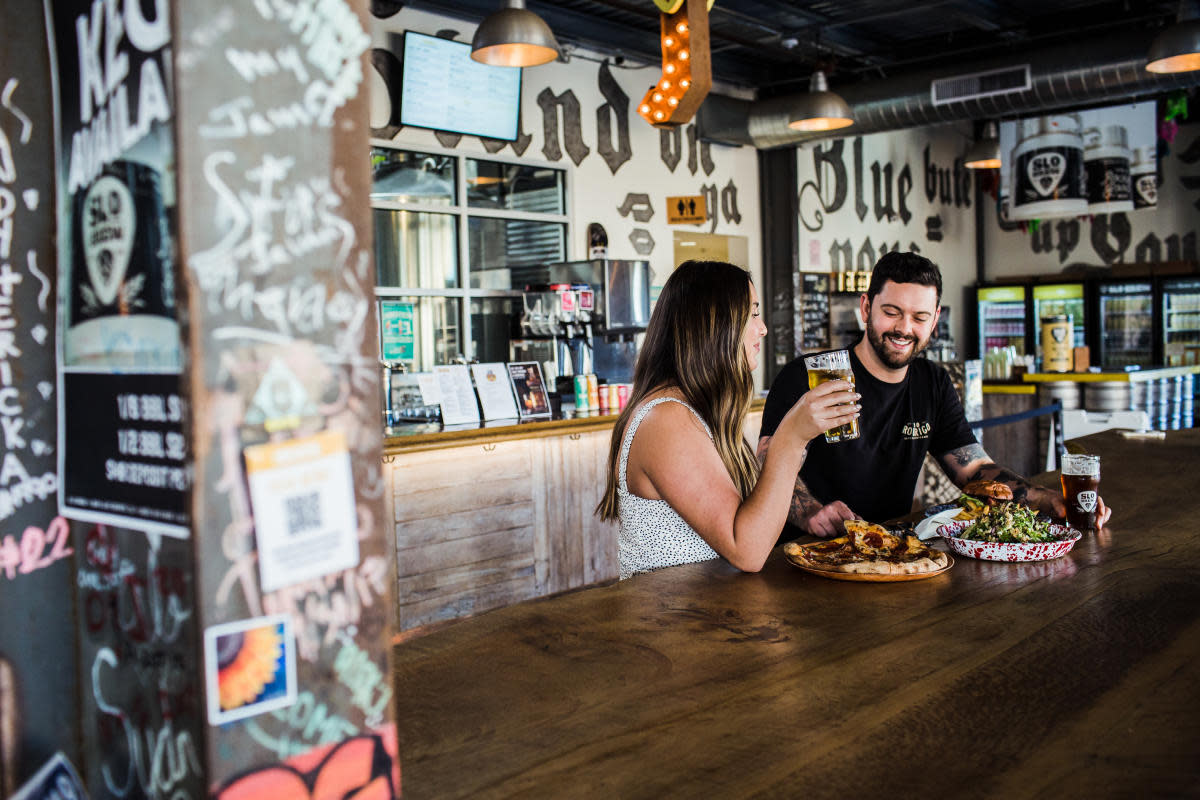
909 408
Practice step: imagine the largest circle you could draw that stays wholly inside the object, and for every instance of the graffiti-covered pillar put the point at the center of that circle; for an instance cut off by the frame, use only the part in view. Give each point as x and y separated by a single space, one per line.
293 572
38 689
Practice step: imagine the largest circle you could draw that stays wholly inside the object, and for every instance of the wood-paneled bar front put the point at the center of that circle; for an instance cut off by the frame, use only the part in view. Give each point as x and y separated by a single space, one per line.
485 517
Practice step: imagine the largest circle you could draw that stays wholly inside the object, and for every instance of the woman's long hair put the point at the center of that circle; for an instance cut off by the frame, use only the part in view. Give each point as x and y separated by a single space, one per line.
694 343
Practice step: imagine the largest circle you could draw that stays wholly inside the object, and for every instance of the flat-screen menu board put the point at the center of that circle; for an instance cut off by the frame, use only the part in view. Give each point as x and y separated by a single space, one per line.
444 89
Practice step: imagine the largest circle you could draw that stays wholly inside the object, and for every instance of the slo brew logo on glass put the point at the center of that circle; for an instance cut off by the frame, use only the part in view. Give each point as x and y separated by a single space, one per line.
916 430
1046 170
1087 501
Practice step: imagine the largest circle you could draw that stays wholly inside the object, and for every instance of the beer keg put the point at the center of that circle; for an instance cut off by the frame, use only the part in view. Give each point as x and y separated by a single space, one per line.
1106 396
1187 404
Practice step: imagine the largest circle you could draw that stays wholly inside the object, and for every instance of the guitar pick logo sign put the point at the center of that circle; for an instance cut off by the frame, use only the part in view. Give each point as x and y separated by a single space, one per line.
1059 334
1147 190
1046 171
1087 501
108 236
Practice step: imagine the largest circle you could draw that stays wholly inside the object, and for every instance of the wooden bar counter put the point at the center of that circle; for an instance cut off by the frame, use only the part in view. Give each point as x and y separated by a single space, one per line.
1078 677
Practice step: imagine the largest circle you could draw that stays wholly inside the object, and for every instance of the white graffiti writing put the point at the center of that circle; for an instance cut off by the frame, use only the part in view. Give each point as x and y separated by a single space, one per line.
322 607
160 759
305 724
369 689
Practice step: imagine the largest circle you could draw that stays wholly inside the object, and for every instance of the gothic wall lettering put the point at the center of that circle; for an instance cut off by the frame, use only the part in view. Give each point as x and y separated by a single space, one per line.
388 67
1110 237
638 204
729 203
709 190
572 134
860 205
616 107
700 149
670 146
825 193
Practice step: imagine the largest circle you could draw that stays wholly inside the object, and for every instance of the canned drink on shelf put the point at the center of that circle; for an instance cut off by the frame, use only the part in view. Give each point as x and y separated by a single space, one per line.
614 398
602 398
623 395
593 392
581 393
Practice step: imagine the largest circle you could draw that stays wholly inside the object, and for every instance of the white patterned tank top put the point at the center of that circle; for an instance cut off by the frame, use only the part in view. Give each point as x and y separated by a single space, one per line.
652 534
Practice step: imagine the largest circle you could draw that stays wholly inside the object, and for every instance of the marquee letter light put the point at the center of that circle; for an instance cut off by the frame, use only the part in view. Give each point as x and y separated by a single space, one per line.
687 65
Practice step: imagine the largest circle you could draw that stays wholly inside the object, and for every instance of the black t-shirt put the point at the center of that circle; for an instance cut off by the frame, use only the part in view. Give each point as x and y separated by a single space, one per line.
876 474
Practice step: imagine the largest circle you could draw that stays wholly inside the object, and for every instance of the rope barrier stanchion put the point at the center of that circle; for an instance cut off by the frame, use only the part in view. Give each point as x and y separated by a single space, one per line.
1056 433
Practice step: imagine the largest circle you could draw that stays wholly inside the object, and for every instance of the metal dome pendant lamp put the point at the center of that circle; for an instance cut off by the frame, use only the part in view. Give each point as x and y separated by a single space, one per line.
820 109
1177 49
985 153
514 36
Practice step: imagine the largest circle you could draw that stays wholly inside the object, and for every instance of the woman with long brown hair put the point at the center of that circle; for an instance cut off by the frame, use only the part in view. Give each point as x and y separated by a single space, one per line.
682 479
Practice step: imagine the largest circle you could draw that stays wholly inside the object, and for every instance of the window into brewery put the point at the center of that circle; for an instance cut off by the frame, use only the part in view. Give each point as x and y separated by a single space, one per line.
452 236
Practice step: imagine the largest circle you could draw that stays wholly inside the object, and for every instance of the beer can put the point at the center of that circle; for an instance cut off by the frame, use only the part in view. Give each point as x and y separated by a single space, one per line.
593 392
602 398
623 395
581 393
614 398
1058 340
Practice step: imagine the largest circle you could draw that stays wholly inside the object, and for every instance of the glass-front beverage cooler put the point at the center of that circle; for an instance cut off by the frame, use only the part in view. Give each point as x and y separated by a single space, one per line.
1001 318
1181 321
1059 299
1126 324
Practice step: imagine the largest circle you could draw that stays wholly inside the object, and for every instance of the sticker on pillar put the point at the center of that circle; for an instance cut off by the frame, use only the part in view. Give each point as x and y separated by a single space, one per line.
280 401
249 667
302 497
56 779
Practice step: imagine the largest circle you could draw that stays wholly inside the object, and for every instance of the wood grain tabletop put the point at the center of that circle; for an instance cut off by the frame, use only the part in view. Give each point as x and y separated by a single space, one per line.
1077 677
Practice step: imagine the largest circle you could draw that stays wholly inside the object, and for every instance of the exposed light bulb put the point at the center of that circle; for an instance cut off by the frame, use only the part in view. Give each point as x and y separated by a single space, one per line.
644 109
669 69
665 85
657 97
658 115
669 42
671 101
681 28
683 55
685 83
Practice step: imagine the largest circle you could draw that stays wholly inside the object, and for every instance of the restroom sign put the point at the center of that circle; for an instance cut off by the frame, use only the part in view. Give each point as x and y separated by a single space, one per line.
686 210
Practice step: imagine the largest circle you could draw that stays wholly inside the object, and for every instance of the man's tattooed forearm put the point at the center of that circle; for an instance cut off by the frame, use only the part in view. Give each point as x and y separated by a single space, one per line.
966 454
804 505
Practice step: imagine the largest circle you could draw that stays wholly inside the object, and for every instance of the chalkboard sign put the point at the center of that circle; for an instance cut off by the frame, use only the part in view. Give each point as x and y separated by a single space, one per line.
814 309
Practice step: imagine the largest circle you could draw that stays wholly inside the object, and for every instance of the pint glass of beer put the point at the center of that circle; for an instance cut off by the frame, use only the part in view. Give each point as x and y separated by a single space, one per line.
832 366
1081 490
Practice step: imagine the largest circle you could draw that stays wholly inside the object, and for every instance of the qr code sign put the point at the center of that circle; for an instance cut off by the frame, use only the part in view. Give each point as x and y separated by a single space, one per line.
303 512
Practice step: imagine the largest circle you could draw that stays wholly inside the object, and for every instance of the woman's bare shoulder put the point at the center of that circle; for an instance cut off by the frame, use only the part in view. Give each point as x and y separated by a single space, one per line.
666 418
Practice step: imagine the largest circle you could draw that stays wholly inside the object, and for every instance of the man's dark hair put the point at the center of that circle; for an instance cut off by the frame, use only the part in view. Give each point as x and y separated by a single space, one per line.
900 267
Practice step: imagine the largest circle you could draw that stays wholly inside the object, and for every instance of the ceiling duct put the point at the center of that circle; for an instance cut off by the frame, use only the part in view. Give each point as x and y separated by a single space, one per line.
1110 70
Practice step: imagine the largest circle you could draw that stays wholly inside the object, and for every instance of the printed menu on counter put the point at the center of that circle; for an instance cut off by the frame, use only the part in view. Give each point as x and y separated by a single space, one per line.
814 311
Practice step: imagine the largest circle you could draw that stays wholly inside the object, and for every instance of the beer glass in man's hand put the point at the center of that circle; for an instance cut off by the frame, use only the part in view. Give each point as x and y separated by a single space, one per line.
1081 490
833 366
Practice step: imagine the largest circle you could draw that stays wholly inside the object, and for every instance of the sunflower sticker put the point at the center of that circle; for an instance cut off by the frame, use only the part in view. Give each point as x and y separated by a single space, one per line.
250 667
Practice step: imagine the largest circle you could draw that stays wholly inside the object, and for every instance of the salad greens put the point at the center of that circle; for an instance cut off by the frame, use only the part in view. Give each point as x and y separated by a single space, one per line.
1009 522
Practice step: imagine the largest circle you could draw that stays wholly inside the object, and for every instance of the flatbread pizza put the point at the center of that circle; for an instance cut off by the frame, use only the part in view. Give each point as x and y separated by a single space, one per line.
869 549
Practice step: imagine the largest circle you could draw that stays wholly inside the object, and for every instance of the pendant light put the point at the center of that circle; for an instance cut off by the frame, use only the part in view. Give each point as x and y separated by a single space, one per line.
1177 49
513 36
985 153
820 109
